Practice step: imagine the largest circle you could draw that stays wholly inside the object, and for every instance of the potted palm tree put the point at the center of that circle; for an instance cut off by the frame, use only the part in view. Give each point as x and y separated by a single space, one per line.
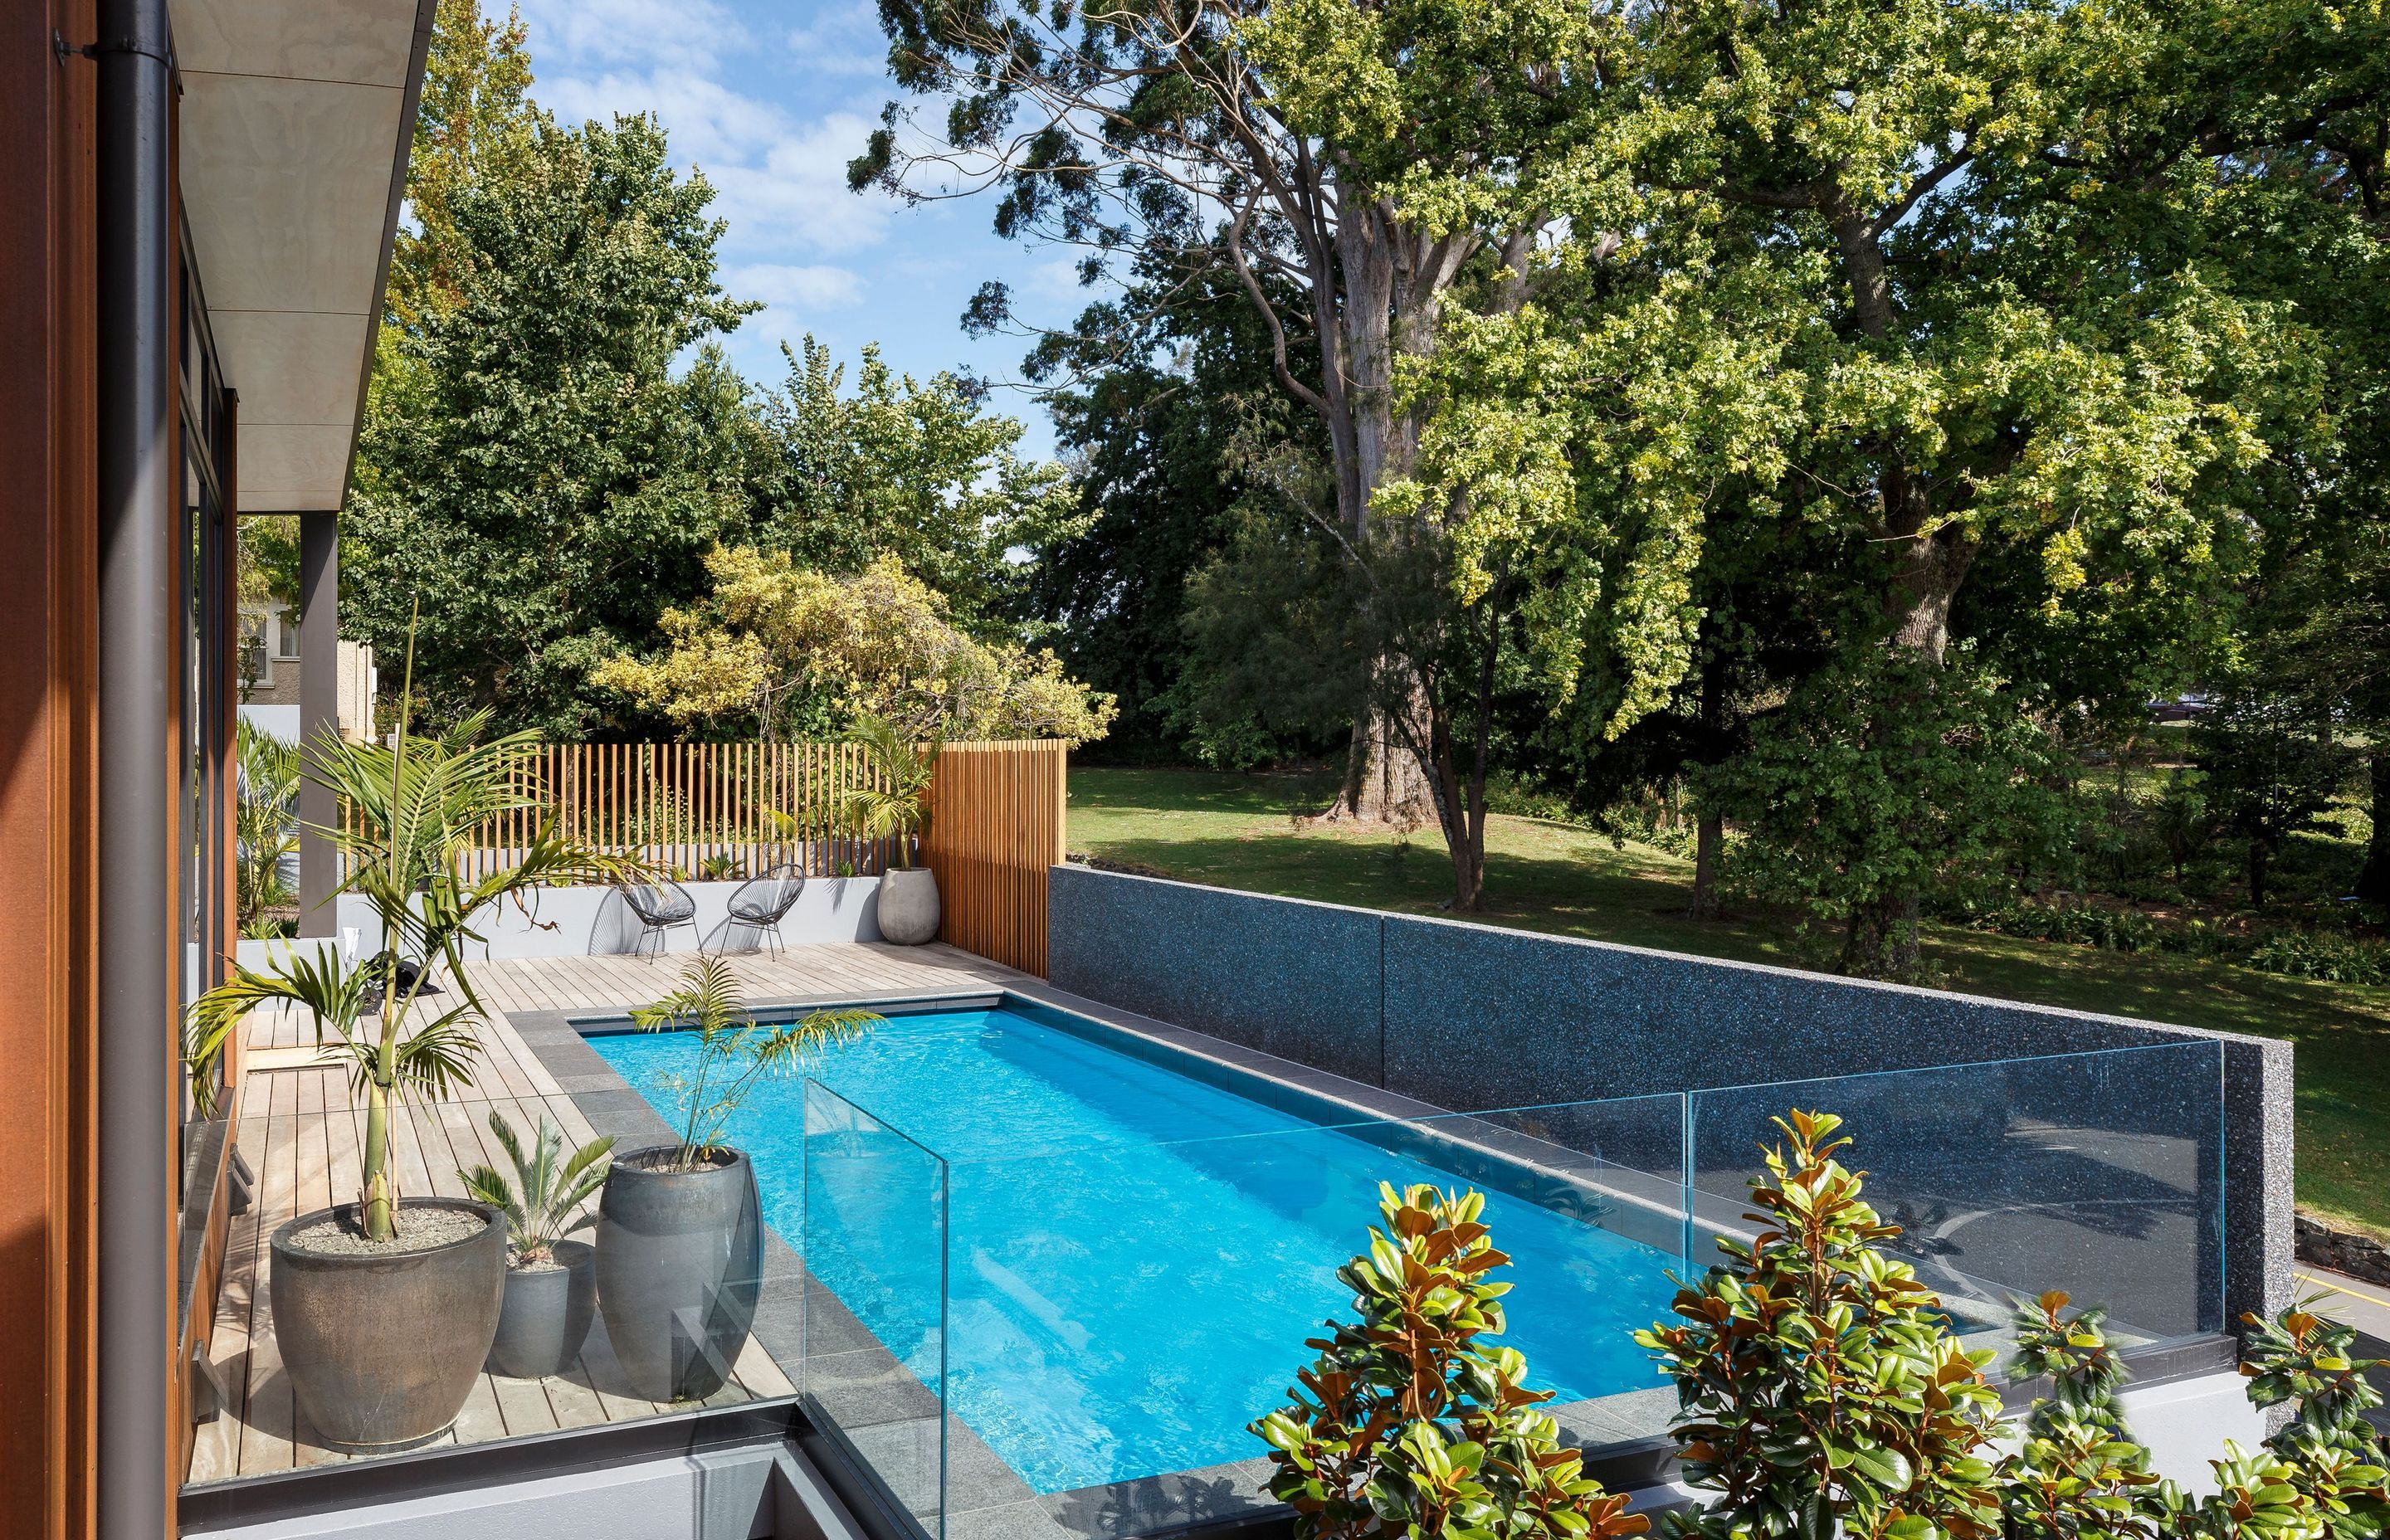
897 810
680 1230
354 1287
551 1293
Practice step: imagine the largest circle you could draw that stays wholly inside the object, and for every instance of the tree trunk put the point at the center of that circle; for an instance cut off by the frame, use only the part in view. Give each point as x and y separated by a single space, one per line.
1384 786
2373 880
1394 277
1882 941
2257 854
1709 842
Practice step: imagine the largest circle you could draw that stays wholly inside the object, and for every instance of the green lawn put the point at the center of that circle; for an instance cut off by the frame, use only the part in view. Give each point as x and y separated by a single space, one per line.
1239 831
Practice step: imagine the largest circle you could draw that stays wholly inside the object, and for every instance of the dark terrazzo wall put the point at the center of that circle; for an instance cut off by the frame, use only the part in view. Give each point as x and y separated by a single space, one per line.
1470 1017
1297 980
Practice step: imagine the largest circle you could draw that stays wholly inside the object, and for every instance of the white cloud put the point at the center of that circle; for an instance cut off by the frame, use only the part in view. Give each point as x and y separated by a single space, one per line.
653 33
796 189
791 287
707 121
843 40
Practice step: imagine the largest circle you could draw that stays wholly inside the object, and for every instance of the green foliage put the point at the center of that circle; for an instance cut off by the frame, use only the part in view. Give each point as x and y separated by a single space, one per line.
472 125
532 470
548 1185
777 649
735 1052
1882 780
920 472
1820 1386
2330 1453
266 826
2073 1350
1408 1423
2077 1475
1177 433
2335 955
2269 773
1816 1382
896 807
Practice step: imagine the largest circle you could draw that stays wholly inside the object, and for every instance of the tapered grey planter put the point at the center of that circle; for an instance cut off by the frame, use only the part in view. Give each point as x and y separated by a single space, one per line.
383 1346
547 1314
908 906
680 1263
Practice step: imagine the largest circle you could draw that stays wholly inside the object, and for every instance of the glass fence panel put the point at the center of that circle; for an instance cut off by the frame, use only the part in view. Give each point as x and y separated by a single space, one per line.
875 1371
2098 1173
1122 1310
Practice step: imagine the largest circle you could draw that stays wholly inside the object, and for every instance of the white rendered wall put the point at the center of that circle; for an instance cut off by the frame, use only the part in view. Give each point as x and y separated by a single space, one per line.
573 922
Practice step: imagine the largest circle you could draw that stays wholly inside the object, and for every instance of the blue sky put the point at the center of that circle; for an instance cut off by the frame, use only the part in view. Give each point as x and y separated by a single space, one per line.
771 100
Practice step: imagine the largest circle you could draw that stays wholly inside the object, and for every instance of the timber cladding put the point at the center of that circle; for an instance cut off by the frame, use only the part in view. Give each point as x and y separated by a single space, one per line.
48 795
996 813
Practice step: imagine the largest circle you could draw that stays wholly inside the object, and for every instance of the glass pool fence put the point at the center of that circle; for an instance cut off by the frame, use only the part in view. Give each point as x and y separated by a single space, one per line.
1084 1327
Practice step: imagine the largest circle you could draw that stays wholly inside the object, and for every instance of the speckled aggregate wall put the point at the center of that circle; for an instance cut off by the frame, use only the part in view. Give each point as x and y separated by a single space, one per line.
1470 1017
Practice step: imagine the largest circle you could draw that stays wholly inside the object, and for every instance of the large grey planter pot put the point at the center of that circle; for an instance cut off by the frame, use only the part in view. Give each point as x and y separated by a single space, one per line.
546 1314
680 1262
908 906
383 1349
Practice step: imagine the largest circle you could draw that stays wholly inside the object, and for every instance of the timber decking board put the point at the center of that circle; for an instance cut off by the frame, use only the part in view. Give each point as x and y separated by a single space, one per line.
302 1137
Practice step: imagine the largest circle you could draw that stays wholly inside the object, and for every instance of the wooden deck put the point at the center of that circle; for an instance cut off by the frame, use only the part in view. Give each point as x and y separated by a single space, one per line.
302 1137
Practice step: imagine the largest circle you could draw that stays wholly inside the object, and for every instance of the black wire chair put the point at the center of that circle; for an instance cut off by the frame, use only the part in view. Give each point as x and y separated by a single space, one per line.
661 908
761 904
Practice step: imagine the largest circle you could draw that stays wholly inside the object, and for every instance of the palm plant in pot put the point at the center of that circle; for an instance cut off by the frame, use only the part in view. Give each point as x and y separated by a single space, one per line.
680 1230
354 1285
551 1281
897 810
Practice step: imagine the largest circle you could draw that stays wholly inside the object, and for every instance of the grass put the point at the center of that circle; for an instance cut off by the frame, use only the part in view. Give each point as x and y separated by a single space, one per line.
1238 831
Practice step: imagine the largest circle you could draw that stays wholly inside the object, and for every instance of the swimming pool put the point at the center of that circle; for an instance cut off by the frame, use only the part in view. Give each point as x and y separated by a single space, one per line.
1133 1258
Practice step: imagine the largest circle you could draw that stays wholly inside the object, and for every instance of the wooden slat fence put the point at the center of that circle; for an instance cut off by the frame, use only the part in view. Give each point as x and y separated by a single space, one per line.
996 826
700 810
728 810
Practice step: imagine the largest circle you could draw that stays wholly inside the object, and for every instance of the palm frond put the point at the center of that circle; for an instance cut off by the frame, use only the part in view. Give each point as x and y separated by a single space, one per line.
331 994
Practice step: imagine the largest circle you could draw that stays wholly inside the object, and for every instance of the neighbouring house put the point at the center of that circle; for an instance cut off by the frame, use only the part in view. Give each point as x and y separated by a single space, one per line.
270 667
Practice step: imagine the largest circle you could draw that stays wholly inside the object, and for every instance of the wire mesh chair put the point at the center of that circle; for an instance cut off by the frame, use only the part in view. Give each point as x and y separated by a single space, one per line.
761 904
661 908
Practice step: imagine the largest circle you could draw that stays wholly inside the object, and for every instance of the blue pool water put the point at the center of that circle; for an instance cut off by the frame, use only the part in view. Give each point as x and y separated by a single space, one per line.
1132 1258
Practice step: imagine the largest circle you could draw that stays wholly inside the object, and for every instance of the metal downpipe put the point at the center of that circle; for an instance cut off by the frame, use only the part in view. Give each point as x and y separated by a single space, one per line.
140 739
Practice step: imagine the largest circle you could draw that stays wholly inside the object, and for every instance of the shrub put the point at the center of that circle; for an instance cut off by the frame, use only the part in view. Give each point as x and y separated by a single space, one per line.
2332 956
2328 1448
1819 1389
2077 1475
1406 1424
1816 1383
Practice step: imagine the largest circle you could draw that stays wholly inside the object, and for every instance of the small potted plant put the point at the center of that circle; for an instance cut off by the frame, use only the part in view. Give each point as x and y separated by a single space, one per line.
897 811
680 1230
385 1306
551 1281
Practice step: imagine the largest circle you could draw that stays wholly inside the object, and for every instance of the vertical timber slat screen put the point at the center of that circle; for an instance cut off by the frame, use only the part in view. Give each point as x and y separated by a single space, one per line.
730 811
996 826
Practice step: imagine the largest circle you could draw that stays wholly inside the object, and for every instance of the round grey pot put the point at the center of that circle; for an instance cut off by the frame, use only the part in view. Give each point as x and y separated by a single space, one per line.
680 1262
383 1347
908 906
547 1314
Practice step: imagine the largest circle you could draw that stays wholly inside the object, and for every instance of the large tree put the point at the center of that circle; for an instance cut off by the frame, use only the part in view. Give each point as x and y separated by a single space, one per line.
1278 141
534 474
1924 277
1162 400
921 471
